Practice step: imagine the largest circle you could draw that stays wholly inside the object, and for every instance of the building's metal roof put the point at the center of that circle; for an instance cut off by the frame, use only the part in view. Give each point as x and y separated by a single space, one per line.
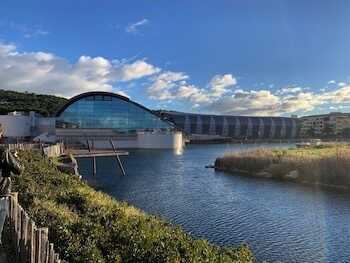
167 112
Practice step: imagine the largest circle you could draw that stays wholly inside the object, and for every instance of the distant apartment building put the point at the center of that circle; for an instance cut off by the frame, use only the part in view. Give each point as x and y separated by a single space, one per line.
325 125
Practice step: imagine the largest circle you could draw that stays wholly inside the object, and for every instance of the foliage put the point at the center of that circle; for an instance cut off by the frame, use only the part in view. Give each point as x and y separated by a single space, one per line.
323 164
89 226
46 105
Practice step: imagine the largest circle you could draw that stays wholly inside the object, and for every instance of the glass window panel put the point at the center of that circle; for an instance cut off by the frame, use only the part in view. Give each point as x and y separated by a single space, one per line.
110 113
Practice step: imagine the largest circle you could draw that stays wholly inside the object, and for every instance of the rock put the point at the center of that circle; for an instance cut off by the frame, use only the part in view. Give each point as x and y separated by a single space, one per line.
292 174
264 174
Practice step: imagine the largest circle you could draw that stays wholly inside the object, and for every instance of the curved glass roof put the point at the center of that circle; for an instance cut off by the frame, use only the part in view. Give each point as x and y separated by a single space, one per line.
103 110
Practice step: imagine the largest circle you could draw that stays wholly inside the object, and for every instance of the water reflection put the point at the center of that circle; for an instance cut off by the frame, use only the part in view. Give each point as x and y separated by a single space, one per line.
280 221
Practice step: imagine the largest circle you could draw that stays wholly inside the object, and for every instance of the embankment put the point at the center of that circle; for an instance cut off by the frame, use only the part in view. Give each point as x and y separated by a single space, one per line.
89 226
327 165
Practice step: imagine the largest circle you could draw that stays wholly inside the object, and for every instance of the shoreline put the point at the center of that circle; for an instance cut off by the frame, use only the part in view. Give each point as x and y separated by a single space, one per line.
246 173
324 166
117 231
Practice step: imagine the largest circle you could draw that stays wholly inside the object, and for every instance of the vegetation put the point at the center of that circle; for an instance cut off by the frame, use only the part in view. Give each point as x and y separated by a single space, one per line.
46 105
327 164
89 226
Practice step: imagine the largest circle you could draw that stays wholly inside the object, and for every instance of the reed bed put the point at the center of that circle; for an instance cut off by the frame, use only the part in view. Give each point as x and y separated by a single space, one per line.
329 165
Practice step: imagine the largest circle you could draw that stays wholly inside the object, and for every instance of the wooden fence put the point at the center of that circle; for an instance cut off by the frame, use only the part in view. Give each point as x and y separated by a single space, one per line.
54 150
49 150
31 242
21 146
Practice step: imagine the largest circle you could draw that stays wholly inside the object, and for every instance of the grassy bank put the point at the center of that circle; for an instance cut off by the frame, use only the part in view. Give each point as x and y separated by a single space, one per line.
89 226
328 165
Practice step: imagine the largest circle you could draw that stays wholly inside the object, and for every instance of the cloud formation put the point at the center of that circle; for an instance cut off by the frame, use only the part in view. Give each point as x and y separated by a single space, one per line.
43 72
134 27
220 83
47 73
173 85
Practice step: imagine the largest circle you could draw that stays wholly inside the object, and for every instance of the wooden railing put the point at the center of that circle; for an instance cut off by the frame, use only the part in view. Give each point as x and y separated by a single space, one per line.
51 150
31 242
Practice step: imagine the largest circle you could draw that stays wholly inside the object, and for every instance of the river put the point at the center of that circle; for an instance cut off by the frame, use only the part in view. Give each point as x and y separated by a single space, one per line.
279 220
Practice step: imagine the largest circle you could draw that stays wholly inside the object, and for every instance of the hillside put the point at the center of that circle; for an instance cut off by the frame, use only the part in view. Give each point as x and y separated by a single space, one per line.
17 101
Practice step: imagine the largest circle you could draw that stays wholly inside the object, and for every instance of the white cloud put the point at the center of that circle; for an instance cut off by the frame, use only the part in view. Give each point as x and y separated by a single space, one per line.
46 73
290 89
261 102
342 95
220 83
134 27
332 82
192 93
341 84
35 32
43 72
163 85
26 30
137 69
173 85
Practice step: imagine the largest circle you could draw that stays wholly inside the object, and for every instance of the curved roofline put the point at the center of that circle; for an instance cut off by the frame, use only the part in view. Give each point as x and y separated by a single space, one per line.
104 93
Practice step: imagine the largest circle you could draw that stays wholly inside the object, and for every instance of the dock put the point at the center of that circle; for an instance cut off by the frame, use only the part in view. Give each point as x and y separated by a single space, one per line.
87 154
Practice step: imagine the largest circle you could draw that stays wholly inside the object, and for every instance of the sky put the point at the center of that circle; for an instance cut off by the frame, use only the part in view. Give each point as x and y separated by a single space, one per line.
241 57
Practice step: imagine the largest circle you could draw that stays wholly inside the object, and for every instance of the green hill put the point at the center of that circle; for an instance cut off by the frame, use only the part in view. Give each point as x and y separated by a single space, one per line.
17 101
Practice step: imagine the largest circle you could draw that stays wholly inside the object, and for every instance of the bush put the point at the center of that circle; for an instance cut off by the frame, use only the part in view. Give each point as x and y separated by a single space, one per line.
89 226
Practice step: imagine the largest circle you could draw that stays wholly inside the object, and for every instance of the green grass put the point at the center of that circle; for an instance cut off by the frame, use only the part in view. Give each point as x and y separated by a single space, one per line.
89 226
329 164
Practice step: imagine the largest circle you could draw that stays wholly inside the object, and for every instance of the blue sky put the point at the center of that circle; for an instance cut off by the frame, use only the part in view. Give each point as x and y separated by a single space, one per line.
247 57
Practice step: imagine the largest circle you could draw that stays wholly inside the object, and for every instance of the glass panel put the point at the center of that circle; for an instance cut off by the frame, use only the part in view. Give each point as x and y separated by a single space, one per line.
108 112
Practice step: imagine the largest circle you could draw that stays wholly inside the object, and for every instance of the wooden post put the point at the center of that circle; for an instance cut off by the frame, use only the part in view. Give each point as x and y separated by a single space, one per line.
24 235
51 254
57 258
31 242
19 229
44 244
94 169
119 162
38 246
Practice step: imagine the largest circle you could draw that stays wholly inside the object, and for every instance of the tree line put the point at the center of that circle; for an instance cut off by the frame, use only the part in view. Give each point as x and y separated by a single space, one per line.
46 105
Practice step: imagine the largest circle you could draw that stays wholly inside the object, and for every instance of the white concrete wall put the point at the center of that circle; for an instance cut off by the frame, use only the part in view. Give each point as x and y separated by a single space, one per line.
141 140
119 144
16 126
149 140
45 125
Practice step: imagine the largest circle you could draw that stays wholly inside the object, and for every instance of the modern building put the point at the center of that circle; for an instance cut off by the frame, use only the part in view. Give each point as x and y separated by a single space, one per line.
236 127
331 124
97 117
104 116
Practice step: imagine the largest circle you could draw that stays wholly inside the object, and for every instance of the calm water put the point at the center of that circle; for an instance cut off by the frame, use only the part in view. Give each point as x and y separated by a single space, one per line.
280 221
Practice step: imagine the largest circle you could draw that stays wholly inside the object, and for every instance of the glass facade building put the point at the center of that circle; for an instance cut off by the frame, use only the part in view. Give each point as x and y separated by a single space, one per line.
103 110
